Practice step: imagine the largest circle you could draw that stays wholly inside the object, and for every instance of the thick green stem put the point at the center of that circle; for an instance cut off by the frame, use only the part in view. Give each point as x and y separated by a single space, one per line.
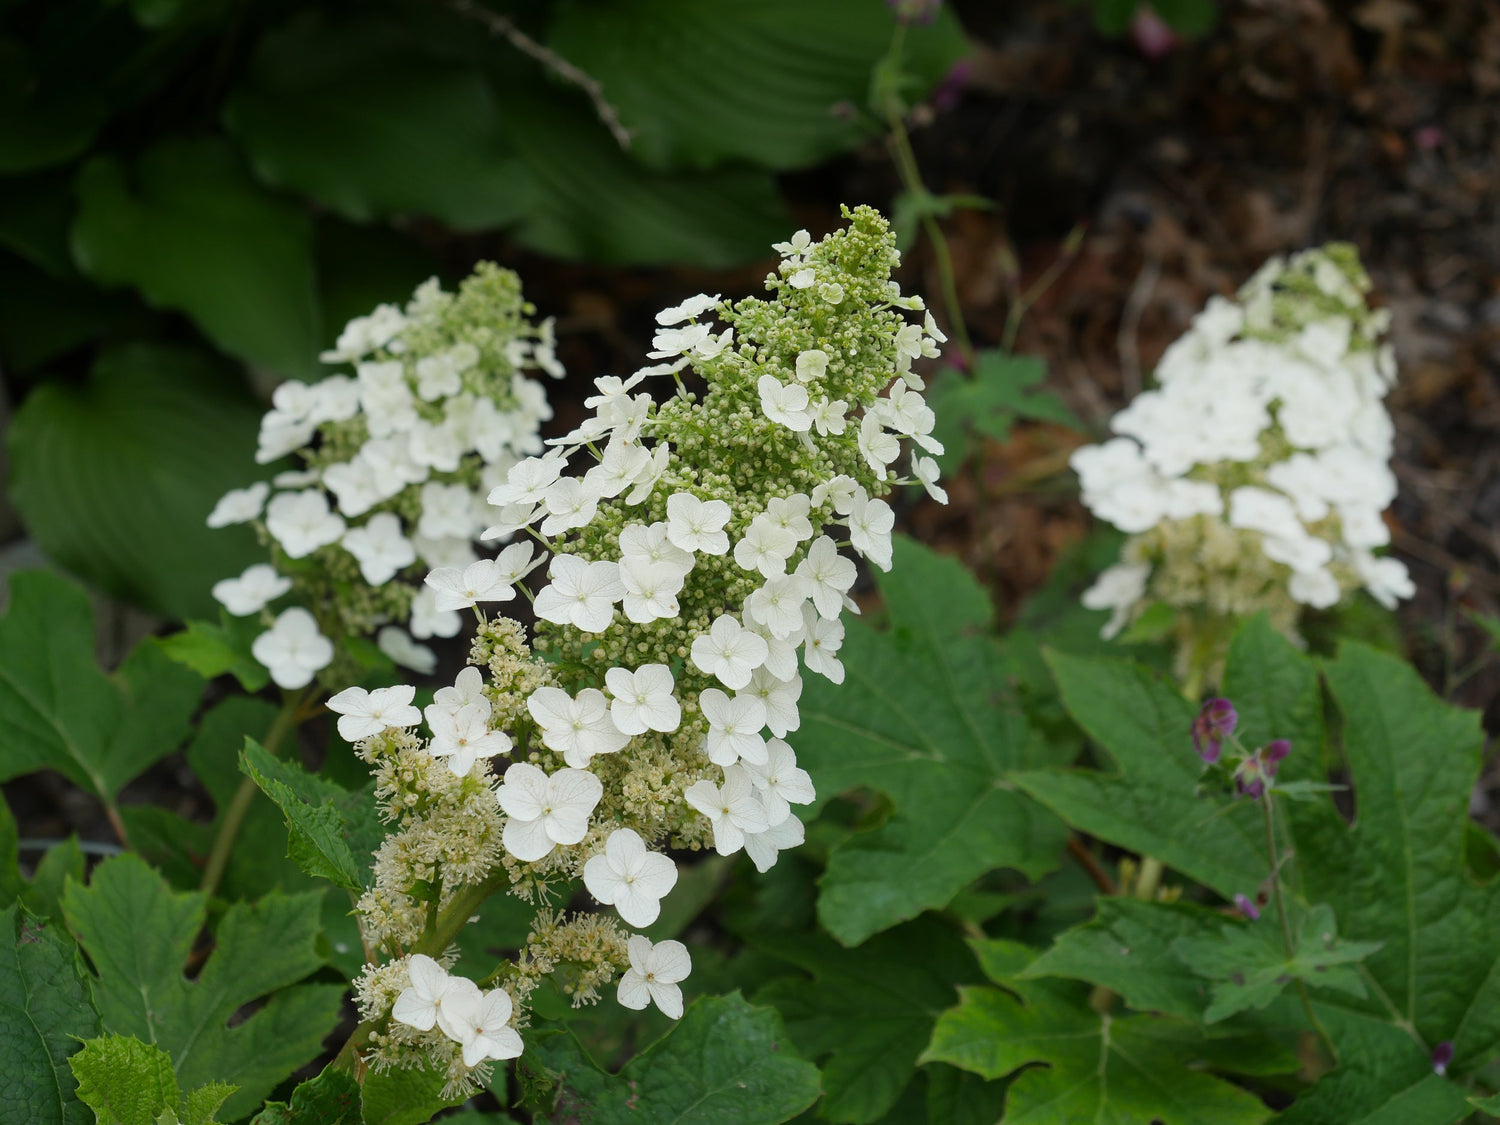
239 805
1266 800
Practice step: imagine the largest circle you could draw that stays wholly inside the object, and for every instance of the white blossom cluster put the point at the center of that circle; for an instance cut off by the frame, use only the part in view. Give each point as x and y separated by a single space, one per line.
696 570
396 461
1254 476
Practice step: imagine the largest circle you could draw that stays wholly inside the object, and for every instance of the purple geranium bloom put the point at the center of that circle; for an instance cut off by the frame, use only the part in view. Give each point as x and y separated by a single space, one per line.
1257 771
1214 724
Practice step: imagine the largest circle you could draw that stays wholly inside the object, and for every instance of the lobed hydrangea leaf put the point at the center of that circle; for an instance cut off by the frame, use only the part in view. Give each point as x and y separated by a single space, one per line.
139 933
115 477
1149 805
332 1098
867 1012
725 1061
941 748
214 650
1249 966
699 87
45 1009
125 1081
956 1097
186 210
318 822
1002 389
59 710
1127 948
405 1097
1097 1067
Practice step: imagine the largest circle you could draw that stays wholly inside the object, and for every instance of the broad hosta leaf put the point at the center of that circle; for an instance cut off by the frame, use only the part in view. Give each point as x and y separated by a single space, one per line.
323 819
44 1010
127 1082
700 85
59 711
1102 1068
1127 948
332 1098
940 748
114 479
347 114
721 218
138 933
1149 805
1249 965
189 228
726 1061
868 1011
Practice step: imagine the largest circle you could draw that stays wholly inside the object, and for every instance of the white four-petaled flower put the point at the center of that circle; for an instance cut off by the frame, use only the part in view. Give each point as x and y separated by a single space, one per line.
577 728
629 877
581 593
293 649
542 812
653 976
363 714
732 808
251 591
643 699
482 581
729 651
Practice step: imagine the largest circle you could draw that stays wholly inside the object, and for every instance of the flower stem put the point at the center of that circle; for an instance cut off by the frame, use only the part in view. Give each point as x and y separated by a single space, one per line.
1286 927
905 160
239 805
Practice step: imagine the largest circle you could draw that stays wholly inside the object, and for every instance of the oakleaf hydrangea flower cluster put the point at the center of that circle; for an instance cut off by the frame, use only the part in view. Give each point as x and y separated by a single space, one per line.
696 571
1254 476
396 462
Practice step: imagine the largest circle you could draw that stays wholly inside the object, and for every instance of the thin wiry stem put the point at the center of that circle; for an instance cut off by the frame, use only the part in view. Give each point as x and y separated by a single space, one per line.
506 29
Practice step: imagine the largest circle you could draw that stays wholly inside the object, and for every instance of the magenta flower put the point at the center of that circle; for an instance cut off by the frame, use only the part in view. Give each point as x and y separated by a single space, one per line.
1246 906
1258 770
1214 724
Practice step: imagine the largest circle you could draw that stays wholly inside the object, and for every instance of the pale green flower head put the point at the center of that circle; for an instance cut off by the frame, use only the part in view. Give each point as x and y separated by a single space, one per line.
395 459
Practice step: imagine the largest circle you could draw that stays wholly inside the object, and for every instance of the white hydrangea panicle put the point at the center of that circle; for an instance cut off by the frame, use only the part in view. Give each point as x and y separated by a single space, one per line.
1253 477
695 573
397 459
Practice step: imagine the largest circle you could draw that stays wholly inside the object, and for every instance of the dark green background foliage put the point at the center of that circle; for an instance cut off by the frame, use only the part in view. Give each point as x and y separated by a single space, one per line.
179 179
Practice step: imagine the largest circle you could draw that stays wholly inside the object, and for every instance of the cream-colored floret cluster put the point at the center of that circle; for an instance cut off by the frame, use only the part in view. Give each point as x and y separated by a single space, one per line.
697 568
395 463
1254 476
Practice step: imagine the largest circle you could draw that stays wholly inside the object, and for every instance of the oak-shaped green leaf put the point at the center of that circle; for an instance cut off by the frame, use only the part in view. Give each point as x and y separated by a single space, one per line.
214 650
1002 389
114 478
405 1097
346 113
1097 1067
943 748
45 1009
1127 948
127 1082
189 228
726 1061
59 710
139 934
775 83
332 1098
1249 966
322 818
868 1012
